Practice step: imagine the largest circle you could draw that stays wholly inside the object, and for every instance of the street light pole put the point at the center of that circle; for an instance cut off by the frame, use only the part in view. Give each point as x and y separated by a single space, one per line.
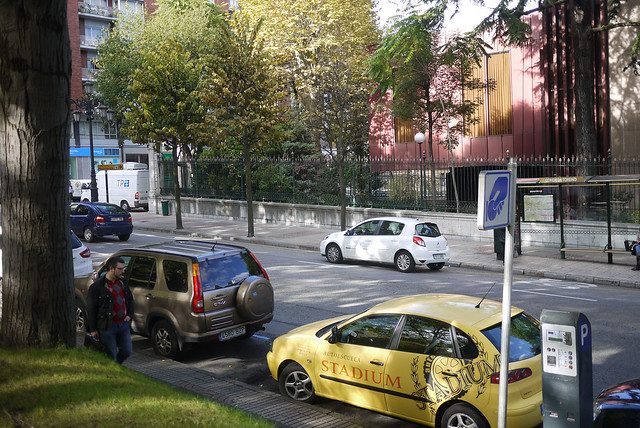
419 139
111 117
86 106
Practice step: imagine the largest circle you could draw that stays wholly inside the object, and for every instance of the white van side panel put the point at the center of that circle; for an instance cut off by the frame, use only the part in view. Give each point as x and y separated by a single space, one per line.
123 187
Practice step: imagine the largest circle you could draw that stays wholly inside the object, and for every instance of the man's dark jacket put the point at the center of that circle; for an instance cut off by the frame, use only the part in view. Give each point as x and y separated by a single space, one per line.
100 305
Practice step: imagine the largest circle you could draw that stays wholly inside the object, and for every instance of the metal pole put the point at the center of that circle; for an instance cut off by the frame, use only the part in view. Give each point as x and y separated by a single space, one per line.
561 215
609 255
420 175
120 143
94 185
506 302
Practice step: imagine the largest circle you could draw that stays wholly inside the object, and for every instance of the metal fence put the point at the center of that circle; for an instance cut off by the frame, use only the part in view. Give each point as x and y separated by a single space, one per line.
398 183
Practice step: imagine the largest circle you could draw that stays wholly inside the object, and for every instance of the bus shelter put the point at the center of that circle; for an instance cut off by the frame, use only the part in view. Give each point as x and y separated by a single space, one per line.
552 206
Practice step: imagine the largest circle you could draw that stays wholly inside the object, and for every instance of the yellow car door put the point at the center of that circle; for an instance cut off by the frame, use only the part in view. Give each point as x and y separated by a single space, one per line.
432 370
352 362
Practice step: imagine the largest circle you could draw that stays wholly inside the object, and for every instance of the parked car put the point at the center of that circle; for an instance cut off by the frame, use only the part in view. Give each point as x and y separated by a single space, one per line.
90 220
433 359
618 406
405 242
82 263
188 291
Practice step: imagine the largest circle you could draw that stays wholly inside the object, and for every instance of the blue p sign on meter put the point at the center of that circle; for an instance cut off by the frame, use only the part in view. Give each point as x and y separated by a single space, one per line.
494 199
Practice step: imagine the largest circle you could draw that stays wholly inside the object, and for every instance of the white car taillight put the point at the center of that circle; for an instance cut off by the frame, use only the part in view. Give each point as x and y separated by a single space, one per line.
418 241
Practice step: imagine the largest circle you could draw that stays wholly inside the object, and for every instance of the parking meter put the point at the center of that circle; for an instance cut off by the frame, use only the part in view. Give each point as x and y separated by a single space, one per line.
567 377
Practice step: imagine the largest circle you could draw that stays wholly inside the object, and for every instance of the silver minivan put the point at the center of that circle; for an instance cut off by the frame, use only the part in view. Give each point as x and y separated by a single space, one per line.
188 291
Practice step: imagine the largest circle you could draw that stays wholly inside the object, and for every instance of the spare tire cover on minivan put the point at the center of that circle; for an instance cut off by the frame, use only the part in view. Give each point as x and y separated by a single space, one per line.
255 298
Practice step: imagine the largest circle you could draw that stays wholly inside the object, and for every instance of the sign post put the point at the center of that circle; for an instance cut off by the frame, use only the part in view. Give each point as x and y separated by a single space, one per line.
496 209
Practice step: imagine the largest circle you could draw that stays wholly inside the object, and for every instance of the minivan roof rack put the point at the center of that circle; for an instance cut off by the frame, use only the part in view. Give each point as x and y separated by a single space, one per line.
213 242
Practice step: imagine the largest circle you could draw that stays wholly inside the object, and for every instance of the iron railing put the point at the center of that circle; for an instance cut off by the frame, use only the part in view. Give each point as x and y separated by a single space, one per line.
395 183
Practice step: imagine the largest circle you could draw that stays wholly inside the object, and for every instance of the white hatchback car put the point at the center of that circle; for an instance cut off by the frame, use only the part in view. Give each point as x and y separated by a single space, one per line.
405 242
82 263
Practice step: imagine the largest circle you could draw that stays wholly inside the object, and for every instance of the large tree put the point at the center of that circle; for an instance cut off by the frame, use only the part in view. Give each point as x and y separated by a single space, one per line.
321 49
241 96
35 68
155 77
427 76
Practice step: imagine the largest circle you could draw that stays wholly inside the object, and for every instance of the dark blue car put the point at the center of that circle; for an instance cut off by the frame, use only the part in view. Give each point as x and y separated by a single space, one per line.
618 406
91 220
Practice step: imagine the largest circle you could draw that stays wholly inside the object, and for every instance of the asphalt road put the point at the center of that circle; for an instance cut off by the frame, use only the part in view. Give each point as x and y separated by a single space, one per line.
307 288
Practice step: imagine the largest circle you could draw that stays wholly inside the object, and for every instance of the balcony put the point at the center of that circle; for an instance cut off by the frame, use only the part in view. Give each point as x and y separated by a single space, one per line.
89 74
89 42
93 11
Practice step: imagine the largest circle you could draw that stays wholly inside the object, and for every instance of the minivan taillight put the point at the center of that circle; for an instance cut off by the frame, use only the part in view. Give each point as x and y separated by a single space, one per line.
197 302
264 272
86 253
136 196
418 241
129 219
513 376
100 219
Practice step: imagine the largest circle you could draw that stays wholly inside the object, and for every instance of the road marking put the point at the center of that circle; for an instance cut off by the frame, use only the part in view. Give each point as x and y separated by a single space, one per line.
261 337
556 295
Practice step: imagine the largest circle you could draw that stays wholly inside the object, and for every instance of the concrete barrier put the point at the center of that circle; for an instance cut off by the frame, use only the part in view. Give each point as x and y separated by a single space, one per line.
577 233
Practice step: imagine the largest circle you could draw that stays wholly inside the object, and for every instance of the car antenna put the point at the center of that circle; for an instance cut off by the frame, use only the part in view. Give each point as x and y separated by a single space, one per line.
485 295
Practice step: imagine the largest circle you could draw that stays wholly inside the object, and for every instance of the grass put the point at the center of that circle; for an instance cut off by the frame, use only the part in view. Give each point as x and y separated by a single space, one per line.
82 388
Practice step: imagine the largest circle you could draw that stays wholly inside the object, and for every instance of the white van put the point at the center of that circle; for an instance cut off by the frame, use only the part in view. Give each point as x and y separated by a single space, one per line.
128 187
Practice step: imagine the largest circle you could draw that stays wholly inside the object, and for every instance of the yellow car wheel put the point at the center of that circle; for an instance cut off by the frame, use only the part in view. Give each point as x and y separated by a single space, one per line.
462 416
296 384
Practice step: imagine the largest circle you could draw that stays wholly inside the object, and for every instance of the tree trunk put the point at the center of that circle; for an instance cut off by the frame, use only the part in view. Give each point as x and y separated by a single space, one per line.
246 153
176 184
584 84
35 67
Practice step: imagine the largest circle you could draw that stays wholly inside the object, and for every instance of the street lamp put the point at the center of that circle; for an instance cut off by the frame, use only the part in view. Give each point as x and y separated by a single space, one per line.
85 106
419 139
111 117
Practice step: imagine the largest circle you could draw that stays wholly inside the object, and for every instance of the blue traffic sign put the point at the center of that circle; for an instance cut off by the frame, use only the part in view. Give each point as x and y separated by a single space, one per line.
494 199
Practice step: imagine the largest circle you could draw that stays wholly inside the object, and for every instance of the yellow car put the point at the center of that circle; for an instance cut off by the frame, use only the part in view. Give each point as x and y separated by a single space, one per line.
432 359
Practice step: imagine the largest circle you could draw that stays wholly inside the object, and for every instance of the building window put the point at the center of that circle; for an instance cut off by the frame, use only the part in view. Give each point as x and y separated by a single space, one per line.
109 129
403 130
494 113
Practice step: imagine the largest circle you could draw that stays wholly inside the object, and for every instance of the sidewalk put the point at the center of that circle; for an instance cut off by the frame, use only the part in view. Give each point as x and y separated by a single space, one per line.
534 261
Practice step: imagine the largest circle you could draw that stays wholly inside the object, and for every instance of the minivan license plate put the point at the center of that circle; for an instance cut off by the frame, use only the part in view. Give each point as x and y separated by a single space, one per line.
230 334
438 256
116 218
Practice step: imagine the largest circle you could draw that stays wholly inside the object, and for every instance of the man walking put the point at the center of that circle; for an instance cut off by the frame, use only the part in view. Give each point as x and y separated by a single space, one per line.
109 311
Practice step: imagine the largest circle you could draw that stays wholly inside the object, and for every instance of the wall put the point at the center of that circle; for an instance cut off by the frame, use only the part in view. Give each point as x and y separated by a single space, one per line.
577 233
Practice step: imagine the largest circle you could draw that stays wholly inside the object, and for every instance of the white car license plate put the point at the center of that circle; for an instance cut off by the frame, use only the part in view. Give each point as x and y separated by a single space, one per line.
116 218
230 334
438 256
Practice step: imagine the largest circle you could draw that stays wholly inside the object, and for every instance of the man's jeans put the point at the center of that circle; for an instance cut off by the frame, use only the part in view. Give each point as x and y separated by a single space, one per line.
117 341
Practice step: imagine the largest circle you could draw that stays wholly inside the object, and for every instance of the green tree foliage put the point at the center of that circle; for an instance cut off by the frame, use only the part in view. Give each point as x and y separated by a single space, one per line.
321 49
241 96
155 76
427 76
